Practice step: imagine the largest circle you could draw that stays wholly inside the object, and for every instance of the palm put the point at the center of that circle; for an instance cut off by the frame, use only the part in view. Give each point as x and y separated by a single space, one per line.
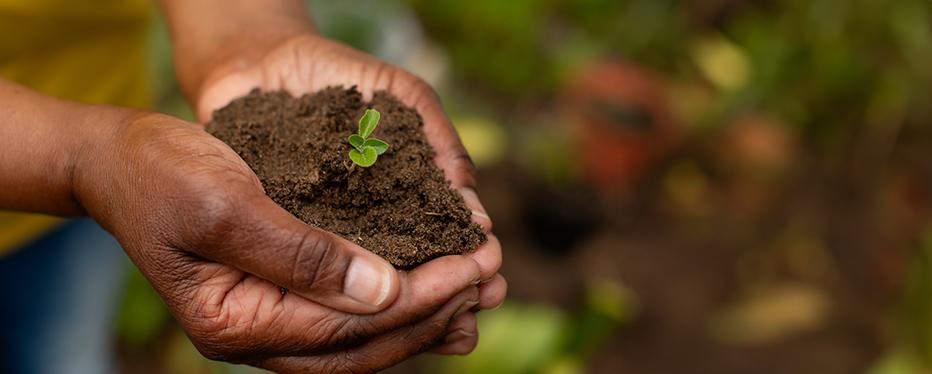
204 216
308 63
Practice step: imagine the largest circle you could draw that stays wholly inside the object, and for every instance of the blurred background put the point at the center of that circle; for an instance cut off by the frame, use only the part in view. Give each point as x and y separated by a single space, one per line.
714 186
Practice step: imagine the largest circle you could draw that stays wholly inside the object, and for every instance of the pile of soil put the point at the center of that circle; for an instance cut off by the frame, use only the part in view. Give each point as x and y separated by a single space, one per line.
401 208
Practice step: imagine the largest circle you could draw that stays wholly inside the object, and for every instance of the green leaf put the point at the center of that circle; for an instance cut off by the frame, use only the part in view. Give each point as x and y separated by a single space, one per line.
366 158
368 122
379 145
356 141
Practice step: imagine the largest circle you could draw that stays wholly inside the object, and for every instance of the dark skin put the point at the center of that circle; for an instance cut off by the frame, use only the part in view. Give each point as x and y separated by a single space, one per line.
193 217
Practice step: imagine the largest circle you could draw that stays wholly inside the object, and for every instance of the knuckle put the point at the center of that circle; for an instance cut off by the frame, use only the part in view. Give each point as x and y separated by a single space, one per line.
345 364
226 336
414 83
318 262
462 162
334 333
350 362
215 215
421 85
427 91
353 332
224 342
459 168
212 353
215 349
427 334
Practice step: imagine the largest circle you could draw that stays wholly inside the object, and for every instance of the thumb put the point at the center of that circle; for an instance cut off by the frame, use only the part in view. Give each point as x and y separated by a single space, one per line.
257 236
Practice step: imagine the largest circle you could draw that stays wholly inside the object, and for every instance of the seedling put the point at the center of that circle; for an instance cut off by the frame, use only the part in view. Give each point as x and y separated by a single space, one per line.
367 150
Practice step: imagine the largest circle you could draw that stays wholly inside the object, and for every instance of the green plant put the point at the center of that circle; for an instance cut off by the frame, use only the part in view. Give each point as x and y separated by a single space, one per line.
367 150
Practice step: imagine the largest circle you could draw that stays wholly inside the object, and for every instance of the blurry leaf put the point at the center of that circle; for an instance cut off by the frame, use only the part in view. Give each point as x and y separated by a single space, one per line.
181 357
549 153
917 320
368 122
897 362
143 315
484 139
609 304
772 314
515 339
722 62
565 365
379 146
688 187
610 298
912 27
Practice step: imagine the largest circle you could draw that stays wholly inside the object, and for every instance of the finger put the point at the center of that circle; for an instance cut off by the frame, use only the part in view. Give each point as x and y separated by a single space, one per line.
452 157
492 293
456 165
479 214
257 321
488 256
424 290
221 92
462 336
272 75
381 352
247 230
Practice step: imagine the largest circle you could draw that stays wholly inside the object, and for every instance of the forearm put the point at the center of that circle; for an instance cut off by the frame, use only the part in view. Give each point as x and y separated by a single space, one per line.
41 142
211 35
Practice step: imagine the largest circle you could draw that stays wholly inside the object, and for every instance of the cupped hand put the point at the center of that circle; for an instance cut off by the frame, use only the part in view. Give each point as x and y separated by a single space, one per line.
195 220
307 62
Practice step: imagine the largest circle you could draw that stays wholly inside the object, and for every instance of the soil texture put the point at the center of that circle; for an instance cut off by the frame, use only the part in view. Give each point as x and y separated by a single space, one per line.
401 208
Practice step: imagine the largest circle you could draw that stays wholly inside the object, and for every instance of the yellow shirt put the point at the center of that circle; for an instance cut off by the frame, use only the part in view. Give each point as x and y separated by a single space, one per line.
92 51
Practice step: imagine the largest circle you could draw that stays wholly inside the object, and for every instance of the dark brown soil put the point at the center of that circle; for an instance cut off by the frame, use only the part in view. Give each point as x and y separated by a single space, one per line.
401 208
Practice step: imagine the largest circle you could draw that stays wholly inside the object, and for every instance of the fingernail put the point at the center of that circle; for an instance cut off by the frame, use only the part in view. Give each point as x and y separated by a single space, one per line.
467 306
368 281
472 200
457 335
481 215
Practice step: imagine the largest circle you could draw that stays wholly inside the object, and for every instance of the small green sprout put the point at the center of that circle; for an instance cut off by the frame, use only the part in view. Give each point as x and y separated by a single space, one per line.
365 149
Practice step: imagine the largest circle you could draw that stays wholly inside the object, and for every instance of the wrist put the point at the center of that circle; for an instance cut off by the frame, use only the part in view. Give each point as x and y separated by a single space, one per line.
238 35
95 153
42 141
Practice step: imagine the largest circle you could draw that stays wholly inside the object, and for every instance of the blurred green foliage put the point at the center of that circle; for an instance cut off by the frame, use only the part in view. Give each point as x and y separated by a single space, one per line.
143 316
821 65
532 338
915 322
829 71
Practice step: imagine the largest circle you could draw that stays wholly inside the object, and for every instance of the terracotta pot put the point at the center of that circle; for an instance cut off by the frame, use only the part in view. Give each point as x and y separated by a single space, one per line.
620 116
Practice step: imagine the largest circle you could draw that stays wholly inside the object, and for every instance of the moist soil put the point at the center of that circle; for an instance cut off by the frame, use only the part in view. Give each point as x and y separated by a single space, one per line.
401 208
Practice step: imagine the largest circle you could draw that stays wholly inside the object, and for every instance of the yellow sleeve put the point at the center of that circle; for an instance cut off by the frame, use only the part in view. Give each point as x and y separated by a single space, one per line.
92 51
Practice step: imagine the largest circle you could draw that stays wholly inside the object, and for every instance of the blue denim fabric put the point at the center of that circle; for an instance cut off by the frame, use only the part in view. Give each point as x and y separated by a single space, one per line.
59 299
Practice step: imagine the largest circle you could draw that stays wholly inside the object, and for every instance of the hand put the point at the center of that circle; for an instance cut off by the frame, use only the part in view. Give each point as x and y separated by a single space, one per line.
305 63
194 219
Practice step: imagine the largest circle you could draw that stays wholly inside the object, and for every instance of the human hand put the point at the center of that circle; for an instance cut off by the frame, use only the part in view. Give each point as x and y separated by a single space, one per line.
195 220
306 62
